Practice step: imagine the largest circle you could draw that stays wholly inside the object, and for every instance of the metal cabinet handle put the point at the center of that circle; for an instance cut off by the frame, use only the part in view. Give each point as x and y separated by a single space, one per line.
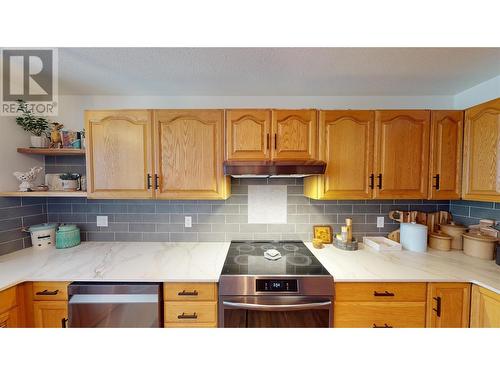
383 294
436 185
187 316
384 326
47 292
184 293
268 141
438 306
379 181
260 307
372 181
63 322
275 141
149 181
156 182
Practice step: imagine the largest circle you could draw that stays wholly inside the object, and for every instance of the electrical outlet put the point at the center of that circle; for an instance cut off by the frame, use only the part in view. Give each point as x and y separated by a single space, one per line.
188 222
102 221
380 221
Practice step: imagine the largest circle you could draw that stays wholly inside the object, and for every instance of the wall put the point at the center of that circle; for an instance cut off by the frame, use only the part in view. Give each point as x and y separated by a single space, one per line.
146 220
16 213
469 212
478 94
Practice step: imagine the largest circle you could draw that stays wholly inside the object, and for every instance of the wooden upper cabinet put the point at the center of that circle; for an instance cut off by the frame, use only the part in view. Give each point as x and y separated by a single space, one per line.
448 305
248 134
446 155
346 145
401 154
481 174
294 134
190 154
119 153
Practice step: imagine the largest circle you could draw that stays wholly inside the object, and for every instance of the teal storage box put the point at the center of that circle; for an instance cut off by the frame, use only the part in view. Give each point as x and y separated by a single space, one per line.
67 236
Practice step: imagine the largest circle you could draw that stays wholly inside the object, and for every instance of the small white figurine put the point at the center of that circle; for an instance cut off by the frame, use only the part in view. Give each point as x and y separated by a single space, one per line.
27 178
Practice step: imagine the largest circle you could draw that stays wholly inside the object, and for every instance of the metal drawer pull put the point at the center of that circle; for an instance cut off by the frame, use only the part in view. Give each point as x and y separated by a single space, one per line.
184 293
187 316
259 307
63 323
47 292
383 294
384 326
438 306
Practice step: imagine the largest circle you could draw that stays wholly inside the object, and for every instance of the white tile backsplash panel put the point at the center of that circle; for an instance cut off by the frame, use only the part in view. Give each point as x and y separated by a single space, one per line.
267 204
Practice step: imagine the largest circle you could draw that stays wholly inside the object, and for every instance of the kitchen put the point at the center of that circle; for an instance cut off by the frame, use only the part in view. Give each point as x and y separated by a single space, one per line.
204 188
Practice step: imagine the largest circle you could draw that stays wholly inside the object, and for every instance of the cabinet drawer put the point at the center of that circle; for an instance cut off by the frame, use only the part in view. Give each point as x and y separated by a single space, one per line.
379 314
190 292
380 292
50 291
10 319
8 299
188 313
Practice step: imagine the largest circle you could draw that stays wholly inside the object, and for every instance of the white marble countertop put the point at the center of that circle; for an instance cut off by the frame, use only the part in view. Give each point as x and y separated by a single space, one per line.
368 265
203 261
116 261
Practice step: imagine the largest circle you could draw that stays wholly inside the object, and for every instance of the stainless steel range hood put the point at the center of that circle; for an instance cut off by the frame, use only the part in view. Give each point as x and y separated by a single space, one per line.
288 168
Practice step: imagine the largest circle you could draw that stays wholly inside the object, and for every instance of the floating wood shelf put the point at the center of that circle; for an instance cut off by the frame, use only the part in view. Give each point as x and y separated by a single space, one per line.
52 151
51 193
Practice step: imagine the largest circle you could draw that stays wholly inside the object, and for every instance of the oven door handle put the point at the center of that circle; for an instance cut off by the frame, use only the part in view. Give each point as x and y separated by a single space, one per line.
259 307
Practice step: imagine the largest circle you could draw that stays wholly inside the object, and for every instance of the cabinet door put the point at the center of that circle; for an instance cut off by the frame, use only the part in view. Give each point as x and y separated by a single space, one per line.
294 134
481 175
10 319
190 154
401 154
485 308
248 134
346 145
119 154
448 305
50 314
445 163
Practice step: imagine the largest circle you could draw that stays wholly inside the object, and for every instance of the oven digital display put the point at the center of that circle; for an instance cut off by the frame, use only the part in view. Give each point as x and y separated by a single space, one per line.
267 285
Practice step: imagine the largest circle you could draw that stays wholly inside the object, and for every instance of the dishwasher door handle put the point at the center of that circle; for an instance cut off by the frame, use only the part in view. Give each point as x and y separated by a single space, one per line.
113 298
260 307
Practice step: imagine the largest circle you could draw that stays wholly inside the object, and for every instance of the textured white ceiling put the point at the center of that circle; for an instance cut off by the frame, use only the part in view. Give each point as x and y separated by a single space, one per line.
274 71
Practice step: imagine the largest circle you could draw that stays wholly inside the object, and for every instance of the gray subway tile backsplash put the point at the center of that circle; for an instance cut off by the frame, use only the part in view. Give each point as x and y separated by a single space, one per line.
146 220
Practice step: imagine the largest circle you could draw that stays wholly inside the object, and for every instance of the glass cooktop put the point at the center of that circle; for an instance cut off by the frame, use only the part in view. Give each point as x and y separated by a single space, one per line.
247 258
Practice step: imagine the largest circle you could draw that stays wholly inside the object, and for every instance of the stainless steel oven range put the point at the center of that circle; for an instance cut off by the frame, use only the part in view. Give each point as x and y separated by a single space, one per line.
292 291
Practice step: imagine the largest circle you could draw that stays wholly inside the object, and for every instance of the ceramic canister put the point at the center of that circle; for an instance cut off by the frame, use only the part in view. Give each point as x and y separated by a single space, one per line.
455 231
479 245
413 237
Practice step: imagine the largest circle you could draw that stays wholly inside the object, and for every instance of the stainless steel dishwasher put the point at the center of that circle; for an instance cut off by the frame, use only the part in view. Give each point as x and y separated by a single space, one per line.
114 305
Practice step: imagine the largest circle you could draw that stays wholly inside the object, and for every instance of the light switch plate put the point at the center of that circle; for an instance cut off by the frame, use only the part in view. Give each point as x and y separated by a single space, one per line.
380 221
102 221
188 222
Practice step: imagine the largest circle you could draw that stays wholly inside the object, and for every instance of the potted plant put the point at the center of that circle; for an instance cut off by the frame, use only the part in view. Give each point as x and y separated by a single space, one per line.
37 126
70 181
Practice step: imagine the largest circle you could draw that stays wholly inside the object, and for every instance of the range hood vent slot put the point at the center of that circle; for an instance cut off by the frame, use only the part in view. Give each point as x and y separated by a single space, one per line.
264 169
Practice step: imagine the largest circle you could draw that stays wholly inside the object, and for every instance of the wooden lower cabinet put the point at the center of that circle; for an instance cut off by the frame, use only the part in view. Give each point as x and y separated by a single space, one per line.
448 305
10 318
50 314
379 305
190 305
485 308
379 315
190 314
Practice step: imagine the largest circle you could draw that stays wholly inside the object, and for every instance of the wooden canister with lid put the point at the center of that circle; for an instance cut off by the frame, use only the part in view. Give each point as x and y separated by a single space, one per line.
455 231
